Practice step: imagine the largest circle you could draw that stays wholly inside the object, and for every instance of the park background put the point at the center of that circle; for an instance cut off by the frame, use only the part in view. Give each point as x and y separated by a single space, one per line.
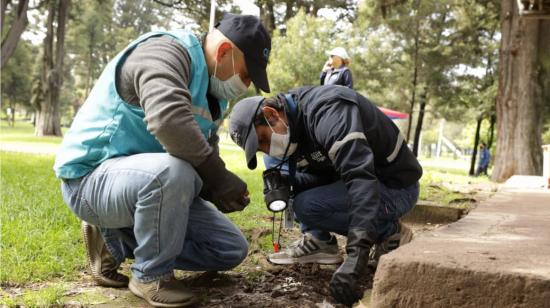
465 71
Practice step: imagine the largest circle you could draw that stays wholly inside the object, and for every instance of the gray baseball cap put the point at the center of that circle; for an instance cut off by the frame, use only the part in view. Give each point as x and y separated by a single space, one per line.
242 129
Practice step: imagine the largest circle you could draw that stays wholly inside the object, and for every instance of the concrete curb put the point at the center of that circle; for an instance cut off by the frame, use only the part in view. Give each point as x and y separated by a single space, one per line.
497 256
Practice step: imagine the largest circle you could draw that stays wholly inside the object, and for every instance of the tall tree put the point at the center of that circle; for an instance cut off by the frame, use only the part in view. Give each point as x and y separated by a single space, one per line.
48 121
300 53
479 22
524 86
275 14
196 10
18 25
91 41
139 15
16 78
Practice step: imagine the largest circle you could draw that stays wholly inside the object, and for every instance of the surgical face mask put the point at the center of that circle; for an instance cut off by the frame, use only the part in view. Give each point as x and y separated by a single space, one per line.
280 142
227 89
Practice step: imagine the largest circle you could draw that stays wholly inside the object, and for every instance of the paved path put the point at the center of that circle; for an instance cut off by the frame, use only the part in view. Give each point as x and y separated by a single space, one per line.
497 256
29 147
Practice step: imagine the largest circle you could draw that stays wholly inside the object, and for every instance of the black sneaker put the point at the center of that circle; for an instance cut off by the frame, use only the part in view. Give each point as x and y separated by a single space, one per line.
402 237
309 250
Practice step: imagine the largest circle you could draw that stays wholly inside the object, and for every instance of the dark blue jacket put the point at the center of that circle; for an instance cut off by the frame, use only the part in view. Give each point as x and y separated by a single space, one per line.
342 134
339 76
484 158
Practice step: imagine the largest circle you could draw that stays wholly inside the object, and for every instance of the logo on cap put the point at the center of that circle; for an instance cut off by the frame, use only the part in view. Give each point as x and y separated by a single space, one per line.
266 53
236 137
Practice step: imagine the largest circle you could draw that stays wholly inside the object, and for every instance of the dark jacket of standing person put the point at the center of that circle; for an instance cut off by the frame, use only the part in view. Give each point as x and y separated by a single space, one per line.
335 71
484 159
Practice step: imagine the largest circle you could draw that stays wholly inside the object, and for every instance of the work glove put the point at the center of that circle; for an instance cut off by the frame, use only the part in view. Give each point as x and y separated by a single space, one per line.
222 187
344 283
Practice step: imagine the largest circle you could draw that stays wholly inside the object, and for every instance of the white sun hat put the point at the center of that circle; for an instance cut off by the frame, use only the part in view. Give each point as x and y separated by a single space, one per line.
340 52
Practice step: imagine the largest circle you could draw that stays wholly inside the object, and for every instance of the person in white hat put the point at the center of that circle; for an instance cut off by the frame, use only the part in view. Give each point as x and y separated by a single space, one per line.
336 69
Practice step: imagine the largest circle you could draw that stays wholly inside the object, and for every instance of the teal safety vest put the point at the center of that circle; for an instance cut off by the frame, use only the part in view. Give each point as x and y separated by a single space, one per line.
106 126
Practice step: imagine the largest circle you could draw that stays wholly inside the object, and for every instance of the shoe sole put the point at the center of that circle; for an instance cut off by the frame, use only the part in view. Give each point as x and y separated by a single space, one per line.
100 280
319 258
406 235
405 238
139 294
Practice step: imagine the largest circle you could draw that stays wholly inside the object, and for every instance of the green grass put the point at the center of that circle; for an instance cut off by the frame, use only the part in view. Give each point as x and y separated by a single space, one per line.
24 132
256 214
43 297
40 235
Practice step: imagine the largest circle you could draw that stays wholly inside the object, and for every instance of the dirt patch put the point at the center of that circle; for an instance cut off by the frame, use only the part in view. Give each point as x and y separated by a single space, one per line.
289 286
258 283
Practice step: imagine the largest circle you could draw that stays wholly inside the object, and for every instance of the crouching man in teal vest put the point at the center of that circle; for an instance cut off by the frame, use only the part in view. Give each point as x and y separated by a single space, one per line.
141 158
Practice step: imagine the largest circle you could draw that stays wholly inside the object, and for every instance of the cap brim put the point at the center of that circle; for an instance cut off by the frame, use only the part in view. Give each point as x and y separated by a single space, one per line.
258 75
250 148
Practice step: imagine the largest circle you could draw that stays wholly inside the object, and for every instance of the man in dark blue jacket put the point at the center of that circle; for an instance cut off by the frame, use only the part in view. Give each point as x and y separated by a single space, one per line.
484 159
351 170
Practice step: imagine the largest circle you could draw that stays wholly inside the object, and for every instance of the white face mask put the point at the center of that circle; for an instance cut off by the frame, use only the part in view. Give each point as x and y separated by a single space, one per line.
279 143
227 89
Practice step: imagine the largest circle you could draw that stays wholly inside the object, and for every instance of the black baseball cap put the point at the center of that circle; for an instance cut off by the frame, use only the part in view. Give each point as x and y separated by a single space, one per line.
242 129
248 33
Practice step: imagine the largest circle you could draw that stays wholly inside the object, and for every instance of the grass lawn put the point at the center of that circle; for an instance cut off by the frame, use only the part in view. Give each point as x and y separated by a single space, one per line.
24 132
40 236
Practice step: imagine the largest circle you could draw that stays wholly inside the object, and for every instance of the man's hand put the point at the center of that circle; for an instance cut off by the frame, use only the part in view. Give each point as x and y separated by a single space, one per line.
344 284
222 187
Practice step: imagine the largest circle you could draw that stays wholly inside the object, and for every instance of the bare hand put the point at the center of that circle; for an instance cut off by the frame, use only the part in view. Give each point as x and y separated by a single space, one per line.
327 66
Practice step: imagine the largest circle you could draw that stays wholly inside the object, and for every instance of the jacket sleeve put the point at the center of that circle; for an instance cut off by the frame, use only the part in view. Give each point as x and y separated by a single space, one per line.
159 72
322 77
338 128
347 79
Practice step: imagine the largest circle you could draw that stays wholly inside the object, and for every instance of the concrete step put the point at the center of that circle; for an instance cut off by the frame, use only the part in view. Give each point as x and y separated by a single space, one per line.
497 256
429 212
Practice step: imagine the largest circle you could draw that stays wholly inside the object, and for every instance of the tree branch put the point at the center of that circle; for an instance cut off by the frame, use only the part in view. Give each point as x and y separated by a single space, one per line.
173 4
18 26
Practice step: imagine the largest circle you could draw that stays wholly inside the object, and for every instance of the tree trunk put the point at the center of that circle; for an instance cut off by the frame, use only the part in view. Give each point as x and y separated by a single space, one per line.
476 143
18 25
522 82
289 11
42 100
267 15
418 129
491 131
415 79
11 116
49 121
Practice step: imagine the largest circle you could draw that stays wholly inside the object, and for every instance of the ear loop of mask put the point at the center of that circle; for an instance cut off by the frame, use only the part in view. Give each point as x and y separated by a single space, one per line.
232 60
272 127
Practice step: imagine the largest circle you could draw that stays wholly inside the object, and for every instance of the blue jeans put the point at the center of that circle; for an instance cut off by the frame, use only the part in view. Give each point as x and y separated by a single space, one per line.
325 209
148 208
